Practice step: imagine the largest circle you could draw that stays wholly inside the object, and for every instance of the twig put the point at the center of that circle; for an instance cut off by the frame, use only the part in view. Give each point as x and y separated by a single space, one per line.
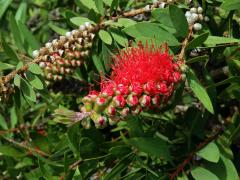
30 149
10 76
181 59
181 167
135 12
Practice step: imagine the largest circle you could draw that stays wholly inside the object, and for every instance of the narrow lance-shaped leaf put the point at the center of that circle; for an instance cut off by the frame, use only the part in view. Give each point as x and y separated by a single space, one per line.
199 91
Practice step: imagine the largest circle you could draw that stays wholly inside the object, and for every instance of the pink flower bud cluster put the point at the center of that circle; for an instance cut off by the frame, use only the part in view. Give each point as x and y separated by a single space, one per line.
142 78
62 56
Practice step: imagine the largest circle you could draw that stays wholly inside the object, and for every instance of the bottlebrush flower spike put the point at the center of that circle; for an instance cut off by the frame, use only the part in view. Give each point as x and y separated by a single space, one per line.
142 78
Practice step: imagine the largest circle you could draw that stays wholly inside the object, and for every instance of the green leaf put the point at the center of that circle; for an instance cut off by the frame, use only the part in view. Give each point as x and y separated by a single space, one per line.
21 12
78 21
119 167
233 79
198 59
99 5
210 152
119 37
151 31
199 40
34 80
108 2
200 173
89 4
73 139
3 123
152 146
216 40
19 65
105 37
57 29
35 69
114 5
162 16
230 5
179 21
199 91
135 126
98 64
27 90
3 6
9 51
17 80
5 66
10 151
28 36
125 22
24 163
231 172
15 32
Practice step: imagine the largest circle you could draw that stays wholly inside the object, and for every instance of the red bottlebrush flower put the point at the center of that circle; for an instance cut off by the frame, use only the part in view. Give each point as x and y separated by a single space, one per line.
122 89
108 90
143 64
142 78
136 88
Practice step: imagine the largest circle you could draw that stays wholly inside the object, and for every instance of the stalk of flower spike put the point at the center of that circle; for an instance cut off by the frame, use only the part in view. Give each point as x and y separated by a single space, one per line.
62 56
142 78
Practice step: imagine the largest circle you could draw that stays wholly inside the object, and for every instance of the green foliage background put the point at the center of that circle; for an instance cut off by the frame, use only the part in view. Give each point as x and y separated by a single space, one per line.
154 145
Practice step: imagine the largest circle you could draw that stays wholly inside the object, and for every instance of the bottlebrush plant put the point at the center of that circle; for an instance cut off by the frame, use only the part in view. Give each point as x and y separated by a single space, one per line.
142 78
108 89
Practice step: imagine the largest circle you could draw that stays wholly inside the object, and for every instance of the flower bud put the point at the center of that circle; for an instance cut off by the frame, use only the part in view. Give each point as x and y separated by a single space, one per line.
162 88
145 101
194 16
108 90
193 10
132 100
150 88
100 121
42 65
35 53
113 120
199 10
197 26
111 110
122 89
156 100
136 88
119 101
125 111
136 110
188 14
147 8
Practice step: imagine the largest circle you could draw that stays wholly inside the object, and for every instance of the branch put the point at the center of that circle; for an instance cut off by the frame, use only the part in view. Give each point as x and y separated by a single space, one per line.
181 167
181 59
30 149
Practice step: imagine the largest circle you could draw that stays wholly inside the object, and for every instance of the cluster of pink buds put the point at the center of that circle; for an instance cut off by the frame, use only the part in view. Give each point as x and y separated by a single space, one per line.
61 56
143 78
